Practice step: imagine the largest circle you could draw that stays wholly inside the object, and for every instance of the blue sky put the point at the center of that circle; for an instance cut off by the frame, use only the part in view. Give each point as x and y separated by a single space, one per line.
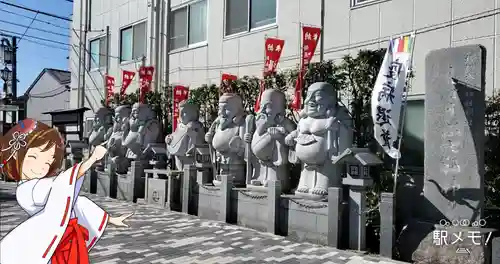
35 54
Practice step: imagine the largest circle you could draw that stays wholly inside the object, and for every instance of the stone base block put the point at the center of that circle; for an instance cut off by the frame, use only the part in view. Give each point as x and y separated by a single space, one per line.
157 191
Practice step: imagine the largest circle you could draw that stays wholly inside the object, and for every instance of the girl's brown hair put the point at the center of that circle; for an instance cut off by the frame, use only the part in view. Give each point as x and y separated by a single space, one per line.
37 135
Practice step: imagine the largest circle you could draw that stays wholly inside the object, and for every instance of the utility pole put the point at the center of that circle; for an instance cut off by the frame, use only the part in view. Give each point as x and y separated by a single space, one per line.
14 77
157 74
80 61
322 38
84 49
107 64
166 62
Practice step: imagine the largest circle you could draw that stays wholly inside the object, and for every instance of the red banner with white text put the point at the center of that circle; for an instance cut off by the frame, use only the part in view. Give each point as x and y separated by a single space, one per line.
181 93
127 77
145 80
110 88
310 38
273 50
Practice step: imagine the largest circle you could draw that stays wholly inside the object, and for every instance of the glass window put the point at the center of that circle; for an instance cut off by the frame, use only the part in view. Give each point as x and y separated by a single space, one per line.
243 15
412 148
178 37
359 2
94 54
133 42
126 44
263 12
197 22
139 45
236 16
103 48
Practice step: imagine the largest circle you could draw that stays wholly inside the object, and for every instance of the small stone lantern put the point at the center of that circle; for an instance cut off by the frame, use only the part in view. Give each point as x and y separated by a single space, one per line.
75 149
358 162
158 155
203 163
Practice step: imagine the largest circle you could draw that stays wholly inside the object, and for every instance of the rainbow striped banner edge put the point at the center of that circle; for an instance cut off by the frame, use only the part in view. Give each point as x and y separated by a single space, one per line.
404 43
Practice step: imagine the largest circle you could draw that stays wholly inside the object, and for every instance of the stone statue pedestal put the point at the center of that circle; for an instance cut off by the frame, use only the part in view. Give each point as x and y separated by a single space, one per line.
130 186
106 182
90 181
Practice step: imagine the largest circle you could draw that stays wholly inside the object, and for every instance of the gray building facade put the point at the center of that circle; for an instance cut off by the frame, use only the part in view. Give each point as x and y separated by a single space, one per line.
204 38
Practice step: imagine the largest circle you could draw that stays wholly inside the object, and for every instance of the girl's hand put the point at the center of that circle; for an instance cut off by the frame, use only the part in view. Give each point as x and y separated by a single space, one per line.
99 152
118 221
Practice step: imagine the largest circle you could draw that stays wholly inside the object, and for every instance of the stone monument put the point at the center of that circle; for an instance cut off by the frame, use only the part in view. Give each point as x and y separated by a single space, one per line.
116 149
144 129
226 137
189 133
323 131
268 141
453 195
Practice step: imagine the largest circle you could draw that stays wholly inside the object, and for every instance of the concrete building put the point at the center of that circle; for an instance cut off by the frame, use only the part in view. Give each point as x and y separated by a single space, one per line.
207 37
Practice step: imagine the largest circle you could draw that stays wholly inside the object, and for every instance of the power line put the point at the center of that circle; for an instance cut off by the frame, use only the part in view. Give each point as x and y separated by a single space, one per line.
46 45
38 20
33 37
34 28
52 95
27 28
35 11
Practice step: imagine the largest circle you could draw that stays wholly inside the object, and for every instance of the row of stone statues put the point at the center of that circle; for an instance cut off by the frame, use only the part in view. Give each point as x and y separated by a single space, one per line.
257 149
126 132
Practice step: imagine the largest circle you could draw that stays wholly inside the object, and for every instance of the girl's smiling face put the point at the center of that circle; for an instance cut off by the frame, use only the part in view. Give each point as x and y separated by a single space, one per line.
37 162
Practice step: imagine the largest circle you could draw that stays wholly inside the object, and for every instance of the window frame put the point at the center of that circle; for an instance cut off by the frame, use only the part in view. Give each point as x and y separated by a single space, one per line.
249 28
90 62
133 25
362 3
187 6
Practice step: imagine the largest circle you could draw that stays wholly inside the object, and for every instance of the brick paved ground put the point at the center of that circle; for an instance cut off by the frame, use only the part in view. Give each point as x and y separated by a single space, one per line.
159 236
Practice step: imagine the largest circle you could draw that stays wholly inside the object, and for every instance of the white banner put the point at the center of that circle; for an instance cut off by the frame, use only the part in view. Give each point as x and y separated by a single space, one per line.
387 98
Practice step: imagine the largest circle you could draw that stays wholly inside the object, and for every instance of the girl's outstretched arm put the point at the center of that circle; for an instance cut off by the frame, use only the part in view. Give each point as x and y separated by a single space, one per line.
97 155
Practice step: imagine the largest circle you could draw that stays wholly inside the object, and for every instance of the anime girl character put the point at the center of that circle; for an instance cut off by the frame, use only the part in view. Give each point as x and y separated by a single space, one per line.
63 226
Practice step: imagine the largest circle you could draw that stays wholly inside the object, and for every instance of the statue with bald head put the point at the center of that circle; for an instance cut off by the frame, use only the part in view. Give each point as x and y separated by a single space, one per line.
119 131
144 129
323 131
268 141
226 136
102 128
189 133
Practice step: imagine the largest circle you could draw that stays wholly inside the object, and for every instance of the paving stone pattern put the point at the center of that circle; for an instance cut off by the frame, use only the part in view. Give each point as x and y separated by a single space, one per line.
159 236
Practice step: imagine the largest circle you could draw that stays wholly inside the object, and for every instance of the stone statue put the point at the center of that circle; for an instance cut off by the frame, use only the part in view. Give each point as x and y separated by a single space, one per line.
189 133
268 141
144 129
226 136
101 130
102 127
317 139
116 149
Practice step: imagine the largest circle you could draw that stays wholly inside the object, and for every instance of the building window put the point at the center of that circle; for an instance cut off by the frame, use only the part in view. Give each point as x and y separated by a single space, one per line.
189 25
98 53
244 15
133 42
362 2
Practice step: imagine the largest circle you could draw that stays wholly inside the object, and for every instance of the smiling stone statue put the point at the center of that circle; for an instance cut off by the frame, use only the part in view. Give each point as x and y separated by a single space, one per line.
226 137
268 141
320 137
189 133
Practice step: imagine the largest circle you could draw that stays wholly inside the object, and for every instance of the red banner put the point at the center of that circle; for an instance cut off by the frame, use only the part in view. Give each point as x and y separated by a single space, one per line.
127 77
310 38
273 49
181 93
228 77
145 78
110 88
